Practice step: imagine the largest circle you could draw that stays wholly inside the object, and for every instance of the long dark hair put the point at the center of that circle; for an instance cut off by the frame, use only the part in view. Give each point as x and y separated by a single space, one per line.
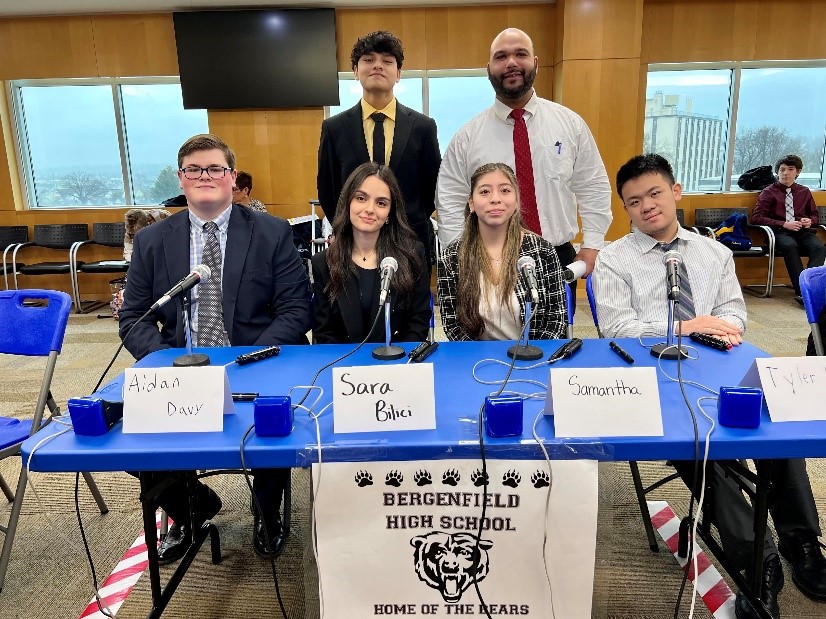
396 238
474 258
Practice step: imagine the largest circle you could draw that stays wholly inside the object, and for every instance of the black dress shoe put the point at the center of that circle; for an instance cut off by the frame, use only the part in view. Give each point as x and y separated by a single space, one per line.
772 584
277 534
179 537
799 299
803 551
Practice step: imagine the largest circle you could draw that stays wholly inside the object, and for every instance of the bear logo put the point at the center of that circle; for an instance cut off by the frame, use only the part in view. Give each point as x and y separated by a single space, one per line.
450 562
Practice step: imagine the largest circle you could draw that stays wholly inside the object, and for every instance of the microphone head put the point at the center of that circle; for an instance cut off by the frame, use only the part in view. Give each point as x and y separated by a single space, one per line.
672 256
389 265
203 272
525 261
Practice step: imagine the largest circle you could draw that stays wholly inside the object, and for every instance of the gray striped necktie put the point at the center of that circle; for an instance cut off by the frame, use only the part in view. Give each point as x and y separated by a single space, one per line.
210 313
789 205
685 306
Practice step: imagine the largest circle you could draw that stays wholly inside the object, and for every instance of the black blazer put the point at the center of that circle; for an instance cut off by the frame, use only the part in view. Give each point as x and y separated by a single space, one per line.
342 322
414 159
265 297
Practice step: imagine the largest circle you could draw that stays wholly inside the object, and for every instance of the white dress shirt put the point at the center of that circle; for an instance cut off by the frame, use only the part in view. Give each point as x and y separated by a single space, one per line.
631 291
568 170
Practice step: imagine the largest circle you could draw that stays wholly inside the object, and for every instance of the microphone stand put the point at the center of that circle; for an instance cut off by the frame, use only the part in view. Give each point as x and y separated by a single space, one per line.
190 359
387 352
669 350
526 352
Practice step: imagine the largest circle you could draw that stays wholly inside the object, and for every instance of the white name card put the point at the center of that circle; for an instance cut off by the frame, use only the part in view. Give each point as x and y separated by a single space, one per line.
384 398
795 387
594 402
164 400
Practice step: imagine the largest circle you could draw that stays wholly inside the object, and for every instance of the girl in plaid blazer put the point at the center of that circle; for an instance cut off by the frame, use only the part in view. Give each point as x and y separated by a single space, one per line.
481 296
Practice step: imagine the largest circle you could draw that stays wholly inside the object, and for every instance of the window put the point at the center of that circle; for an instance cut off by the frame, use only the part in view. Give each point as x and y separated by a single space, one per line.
714 122
101 142
450 97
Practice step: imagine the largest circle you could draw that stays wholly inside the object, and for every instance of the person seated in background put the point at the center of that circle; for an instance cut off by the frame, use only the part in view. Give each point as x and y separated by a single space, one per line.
370 225
241 190
257 294
481 295
630 288
789 209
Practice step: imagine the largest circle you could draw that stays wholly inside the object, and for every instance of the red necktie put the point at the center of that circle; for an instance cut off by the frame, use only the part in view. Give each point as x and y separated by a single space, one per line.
524 172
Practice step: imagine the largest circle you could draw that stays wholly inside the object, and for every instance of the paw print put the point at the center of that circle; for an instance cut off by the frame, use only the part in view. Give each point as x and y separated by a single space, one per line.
363 478
394 478
479 478
422 478
540 479
451 477
511 479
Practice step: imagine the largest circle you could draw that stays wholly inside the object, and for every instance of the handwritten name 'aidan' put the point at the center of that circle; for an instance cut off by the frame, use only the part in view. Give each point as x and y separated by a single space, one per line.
617 389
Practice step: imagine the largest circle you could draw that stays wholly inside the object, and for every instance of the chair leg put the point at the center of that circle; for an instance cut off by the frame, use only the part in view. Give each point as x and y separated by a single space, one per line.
14 517
646 515
287 505
6 490
93 488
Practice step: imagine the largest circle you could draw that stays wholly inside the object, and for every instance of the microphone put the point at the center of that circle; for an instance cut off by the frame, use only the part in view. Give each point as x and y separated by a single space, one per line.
199 273
672 260
527 266
573 271
388 267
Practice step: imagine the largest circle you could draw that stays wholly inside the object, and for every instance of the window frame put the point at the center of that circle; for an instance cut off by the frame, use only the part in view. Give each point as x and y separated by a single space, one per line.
737 67
21 142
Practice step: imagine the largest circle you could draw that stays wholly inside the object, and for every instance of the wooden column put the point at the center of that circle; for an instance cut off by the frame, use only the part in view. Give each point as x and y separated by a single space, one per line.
597 74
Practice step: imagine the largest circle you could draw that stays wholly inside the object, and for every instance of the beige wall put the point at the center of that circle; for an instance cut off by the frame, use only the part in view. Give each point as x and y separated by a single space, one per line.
593 58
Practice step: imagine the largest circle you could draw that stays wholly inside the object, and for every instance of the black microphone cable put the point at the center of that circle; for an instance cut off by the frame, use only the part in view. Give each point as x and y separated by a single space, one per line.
246 471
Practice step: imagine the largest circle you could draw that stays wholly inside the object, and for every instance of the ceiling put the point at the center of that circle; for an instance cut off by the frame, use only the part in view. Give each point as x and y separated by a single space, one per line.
17 8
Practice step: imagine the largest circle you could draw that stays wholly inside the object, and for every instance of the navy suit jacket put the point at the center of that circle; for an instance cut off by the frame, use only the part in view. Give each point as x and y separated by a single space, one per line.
265 288
342 321
414 159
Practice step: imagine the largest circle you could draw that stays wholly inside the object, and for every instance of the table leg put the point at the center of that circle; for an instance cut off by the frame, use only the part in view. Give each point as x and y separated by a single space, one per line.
151 537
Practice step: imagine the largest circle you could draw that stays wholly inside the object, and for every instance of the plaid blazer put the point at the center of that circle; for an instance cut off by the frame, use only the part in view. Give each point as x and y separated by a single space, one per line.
549 320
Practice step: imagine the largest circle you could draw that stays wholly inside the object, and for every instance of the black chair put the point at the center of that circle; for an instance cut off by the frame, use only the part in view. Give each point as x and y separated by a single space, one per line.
706 219
62 237
821 217
11 238
108 235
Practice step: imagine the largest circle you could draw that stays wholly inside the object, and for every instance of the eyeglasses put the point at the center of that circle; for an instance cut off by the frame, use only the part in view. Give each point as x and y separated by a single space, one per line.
194 172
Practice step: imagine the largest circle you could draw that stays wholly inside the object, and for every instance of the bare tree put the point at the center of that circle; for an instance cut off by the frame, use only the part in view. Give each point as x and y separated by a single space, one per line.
83 188
764 145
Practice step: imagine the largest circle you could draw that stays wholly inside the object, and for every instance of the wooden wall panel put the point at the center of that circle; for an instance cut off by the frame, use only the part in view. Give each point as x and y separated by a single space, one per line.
407 24
460 37
150 50
604 92
280 149
600 29
708 31
35 48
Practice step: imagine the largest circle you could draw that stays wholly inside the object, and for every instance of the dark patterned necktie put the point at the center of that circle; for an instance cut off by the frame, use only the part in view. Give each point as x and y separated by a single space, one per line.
524 172
685 306
789 205
210 312
378 137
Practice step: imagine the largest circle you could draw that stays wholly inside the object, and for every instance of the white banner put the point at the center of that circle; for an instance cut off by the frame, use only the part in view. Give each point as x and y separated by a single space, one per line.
399 538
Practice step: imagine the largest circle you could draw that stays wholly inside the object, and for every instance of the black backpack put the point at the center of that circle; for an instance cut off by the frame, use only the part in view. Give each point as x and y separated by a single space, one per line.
757 178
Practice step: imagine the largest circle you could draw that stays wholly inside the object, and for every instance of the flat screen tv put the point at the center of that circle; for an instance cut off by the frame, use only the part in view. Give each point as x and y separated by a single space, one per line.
268 58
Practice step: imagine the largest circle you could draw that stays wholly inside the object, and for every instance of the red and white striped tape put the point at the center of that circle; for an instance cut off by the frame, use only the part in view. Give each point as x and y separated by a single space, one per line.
117 587
712 588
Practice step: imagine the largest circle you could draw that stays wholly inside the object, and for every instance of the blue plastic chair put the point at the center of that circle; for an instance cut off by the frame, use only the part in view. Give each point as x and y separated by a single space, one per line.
813 291
589 290
32 324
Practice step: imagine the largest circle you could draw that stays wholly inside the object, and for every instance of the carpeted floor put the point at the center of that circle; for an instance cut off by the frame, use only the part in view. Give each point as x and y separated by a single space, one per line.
49 578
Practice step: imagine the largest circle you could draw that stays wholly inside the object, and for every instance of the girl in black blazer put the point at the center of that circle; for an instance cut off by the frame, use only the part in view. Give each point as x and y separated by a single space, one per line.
370 224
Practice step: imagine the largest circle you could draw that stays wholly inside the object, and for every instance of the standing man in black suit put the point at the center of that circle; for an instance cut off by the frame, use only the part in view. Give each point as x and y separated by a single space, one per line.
257 294
379 128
